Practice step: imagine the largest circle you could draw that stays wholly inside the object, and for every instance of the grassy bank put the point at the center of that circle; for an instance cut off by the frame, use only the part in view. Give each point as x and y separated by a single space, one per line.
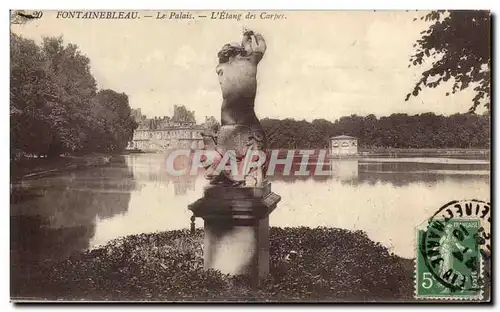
330 265
37 167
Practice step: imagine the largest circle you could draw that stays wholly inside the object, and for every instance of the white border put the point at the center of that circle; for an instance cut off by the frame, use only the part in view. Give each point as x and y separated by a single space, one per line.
200 4
257 4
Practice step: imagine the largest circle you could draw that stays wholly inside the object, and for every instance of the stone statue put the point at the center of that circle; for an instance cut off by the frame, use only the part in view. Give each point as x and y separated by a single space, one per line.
240 129
236 206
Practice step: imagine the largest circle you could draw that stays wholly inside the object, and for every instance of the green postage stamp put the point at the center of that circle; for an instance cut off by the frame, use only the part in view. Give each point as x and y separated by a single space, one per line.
450 250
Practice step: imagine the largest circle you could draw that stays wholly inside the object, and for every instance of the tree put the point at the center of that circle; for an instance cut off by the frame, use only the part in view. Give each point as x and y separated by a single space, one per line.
74 88
114 125
31 88
54 104
458 45
211 124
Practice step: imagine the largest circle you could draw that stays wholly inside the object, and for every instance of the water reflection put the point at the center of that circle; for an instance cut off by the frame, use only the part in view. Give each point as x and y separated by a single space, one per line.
386 200
152 168
345 169
54 217
159 202
356 171
341 170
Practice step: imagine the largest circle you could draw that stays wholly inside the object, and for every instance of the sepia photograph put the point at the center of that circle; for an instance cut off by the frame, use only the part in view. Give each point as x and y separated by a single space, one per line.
250 156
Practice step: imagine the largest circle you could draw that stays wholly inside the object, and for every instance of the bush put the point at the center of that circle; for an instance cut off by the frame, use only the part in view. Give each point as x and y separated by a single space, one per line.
324 264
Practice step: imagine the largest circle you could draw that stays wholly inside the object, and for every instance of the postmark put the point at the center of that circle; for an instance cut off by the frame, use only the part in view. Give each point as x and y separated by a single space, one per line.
451 248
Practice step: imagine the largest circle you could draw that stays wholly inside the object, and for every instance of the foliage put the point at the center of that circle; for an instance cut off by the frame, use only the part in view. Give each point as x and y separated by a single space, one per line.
397 130
31 91
54 104
212 124
458 44
113 124
74 88
306 264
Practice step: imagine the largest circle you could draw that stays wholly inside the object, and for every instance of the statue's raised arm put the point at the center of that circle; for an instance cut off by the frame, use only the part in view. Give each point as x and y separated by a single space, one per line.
260 45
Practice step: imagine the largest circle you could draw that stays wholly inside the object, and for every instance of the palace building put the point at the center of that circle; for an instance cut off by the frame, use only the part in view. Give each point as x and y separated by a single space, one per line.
167 138
157 134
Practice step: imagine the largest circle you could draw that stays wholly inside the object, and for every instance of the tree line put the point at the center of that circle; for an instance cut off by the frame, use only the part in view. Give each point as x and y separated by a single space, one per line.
55 106
397 131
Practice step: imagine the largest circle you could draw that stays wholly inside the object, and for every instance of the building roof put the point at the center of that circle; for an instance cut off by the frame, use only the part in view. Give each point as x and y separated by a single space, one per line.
342 137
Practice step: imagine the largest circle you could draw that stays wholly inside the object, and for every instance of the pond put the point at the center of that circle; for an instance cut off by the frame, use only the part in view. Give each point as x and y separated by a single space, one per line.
387 198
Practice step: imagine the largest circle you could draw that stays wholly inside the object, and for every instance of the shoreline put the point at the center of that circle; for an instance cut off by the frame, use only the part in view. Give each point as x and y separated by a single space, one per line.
425 152
42 167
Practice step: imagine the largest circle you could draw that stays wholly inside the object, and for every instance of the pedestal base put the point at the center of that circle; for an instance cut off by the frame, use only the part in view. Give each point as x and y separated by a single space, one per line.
236 228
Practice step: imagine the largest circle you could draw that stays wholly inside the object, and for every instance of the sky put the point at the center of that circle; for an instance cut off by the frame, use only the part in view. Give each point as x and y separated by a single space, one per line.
323 64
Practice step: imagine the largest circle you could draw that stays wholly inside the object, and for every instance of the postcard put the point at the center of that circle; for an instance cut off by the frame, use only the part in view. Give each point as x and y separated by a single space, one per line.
250 156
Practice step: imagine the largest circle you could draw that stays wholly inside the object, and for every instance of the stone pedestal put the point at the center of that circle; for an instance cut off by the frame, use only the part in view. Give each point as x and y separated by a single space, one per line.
236 228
